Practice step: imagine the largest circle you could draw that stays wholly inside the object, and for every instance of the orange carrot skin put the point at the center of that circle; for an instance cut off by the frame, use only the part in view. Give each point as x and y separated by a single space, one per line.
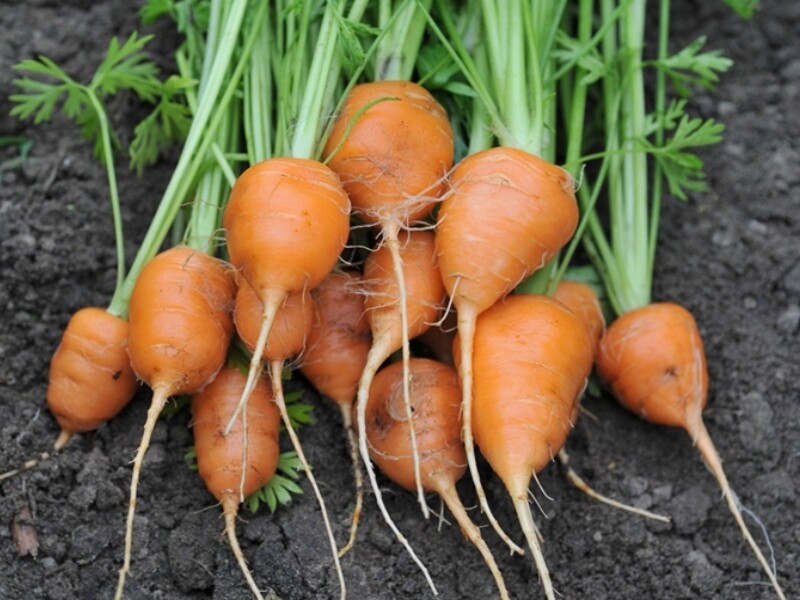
436 402
340 338
532 358
424 288
654 361
397 149
581 299
180 315
508 213
91 379
293 321
287 221
219 457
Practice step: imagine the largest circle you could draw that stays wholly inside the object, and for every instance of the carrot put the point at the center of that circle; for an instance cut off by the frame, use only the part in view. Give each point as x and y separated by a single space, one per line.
219 456
286 339
385 305
392 145
654 361
286 222
508 212
581 299
334 358
180 330
90 377
436 401
532 358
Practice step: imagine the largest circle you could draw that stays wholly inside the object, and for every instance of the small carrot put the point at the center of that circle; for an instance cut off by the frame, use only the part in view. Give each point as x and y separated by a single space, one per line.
385 305
286 222
180 330
654 361
392 145
287 338
581 299
335 357
219 456
436 402
532 358
91 379
508 213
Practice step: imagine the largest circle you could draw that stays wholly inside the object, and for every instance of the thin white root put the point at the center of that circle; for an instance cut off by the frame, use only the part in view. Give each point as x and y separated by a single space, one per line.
160 395
448 493
579 483
60 442
271 306
376 356
705 445
230 508
466 328
393 244
276 369
358 477
529 529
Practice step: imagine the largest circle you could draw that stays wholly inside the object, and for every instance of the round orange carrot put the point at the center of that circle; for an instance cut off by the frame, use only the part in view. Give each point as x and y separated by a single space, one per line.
508 213
286 222
532 358
180 330
436 402
654 361
392 146
334 358
219 456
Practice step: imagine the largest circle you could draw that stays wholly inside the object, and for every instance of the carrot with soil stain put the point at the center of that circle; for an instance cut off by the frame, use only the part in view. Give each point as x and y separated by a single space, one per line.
424 295
392 145
334 358
219 456
180 330
508 213
654 361
532 357
287 338
436 401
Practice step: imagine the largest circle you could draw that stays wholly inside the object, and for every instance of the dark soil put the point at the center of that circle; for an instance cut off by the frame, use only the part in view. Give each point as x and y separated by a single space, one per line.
731 255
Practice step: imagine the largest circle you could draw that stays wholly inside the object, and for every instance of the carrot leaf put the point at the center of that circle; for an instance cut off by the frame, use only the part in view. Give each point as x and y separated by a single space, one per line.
282 486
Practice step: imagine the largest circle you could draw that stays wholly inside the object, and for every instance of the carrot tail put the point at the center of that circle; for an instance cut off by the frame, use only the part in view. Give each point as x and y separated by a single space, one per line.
529 529
276 368
160 395
708 451
376 356
470 530
358 476
60 442
393 244
466 328
579 483
229 509
271 307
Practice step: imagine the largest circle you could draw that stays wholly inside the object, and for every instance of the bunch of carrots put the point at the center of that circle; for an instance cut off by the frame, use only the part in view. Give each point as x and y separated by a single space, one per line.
378 197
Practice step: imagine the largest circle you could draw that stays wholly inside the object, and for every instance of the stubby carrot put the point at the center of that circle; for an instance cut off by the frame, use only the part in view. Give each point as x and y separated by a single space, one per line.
507 213
180 331
219 457
436 402
532 358
335 357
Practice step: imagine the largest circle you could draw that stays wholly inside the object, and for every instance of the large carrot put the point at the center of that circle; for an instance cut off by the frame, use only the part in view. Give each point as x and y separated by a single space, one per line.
181 327
424 295
219 456
392 145
436 402
532 358
335 357
287 339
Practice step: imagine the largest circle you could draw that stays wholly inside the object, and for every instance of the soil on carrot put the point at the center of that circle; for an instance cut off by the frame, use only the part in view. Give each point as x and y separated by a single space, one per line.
732 255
